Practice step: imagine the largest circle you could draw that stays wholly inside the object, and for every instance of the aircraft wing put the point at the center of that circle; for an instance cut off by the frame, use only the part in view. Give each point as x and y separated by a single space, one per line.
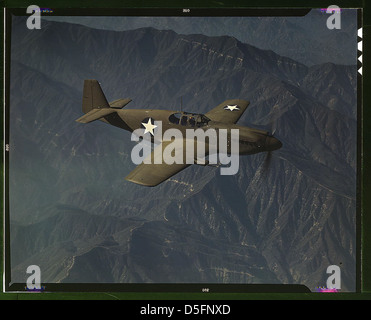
229 111
153 174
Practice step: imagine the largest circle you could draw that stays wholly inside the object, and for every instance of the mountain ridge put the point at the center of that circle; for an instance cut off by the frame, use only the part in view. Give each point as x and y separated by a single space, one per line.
283 226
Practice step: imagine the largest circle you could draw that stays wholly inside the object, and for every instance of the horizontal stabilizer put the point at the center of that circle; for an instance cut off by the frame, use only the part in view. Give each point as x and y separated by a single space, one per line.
95 114
119 104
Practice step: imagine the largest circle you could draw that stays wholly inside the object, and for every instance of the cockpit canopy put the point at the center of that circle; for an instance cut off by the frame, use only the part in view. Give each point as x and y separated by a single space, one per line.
192 119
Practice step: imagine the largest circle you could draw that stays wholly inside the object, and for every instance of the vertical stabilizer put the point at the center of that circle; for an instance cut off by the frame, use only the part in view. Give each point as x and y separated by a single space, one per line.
93 96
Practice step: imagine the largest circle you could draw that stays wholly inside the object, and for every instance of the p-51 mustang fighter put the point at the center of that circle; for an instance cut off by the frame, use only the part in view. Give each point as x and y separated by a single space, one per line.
224 116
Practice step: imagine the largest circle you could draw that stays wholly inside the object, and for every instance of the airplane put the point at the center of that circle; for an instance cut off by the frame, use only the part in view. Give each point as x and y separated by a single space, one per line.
224 116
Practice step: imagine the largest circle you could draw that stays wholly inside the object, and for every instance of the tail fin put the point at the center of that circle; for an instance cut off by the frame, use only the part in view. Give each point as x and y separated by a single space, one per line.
93 96
95 105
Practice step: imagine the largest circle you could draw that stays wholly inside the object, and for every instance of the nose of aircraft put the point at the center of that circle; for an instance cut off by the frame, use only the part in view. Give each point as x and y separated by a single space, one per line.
272 143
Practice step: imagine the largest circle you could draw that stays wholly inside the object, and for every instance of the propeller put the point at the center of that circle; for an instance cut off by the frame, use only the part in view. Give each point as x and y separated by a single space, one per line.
268 157
272 127
267 162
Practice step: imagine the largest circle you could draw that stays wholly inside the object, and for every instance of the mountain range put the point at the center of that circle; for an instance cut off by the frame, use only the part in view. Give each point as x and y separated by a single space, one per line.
73 214
306 39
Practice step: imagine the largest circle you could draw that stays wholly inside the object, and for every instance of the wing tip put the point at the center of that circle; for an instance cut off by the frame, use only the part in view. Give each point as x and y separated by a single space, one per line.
142 183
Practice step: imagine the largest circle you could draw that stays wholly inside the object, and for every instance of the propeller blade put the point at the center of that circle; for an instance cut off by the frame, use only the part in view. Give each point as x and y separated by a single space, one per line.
272 126
267 162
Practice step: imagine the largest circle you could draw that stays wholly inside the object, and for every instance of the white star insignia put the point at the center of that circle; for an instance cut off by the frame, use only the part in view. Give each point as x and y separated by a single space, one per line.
232 108
149 127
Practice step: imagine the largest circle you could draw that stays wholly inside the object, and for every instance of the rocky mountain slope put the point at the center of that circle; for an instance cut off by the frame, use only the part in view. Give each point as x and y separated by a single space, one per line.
305 39
73 214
